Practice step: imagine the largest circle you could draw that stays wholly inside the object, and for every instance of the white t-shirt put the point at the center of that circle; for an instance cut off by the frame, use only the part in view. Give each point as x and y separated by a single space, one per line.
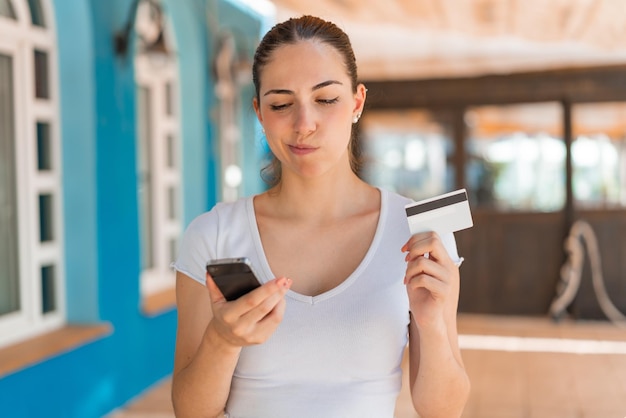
334 355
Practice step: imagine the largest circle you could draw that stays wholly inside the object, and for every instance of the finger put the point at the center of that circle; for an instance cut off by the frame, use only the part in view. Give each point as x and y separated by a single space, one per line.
419 240
253 299
269 323
424 281
423 265
260 308
415 239
427 243
214 292
420 236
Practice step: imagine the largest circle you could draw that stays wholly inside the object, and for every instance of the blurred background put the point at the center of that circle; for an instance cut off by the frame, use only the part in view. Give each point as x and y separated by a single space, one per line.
122 120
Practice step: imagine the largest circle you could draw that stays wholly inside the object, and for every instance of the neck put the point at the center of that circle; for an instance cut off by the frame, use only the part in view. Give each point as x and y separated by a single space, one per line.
319 200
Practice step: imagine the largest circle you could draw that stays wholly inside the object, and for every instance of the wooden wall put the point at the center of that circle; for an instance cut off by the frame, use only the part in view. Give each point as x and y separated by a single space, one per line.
513 260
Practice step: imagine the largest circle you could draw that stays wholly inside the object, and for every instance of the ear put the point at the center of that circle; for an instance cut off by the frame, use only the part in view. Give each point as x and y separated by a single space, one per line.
257 110
359 99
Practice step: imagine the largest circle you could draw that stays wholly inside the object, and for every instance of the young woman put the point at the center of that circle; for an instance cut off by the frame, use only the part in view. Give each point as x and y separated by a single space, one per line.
345 286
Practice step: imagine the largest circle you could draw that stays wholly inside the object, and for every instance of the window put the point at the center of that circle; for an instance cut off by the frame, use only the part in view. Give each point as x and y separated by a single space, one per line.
36 13
9 275
159 169
6 9
599 155
407 152
31 230
516 157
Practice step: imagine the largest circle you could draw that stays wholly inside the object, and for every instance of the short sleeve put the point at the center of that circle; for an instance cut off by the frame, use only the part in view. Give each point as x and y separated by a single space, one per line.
198 246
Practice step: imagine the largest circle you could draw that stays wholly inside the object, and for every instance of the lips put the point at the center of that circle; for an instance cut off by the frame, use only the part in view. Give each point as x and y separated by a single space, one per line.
302 149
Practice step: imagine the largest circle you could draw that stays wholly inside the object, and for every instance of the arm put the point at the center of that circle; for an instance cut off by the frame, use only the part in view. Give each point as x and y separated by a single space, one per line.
439 383
210 335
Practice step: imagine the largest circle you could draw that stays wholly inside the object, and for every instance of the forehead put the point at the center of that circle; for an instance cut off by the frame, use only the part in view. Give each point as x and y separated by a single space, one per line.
304 60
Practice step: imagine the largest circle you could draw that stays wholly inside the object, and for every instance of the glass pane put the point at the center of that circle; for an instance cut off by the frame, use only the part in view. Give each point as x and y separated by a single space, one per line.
516 157
6 9
44 153
407 152
144 177
46 219
173 249
36 13
48 294
169 108
171 197
171 152
42 86
599 155
9 268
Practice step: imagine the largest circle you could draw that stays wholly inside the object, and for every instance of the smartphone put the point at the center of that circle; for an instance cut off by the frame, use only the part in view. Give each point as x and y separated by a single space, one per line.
234 276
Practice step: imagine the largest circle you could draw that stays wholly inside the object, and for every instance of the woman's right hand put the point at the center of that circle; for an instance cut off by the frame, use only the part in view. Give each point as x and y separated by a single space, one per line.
252 318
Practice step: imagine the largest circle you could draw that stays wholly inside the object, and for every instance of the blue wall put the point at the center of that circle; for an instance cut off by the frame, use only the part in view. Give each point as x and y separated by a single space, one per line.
101 207
76 69
193 50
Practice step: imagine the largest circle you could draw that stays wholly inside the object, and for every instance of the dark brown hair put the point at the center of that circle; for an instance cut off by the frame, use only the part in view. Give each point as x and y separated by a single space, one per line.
290 32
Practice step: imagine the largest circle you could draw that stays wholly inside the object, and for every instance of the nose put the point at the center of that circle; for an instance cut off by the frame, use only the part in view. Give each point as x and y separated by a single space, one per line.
305 121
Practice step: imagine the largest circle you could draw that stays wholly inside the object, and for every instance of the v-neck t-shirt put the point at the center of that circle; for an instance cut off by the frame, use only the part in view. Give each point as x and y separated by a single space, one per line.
336 354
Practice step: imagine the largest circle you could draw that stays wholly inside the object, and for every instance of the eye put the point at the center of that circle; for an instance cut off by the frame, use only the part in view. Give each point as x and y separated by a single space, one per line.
279 107
328 101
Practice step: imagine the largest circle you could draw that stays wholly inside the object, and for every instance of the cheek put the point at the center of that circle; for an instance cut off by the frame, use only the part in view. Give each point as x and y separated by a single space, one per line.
273 121
336 119
275 147
271 143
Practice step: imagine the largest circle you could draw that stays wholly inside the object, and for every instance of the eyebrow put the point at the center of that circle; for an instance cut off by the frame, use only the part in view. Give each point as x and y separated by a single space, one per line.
315 87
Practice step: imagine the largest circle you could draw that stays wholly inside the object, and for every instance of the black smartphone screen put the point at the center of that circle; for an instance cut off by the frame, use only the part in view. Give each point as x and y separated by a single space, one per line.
234 277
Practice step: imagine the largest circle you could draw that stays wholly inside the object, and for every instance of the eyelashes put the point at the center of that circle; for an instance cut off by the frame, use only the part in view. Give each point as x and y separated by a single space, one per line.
328 101
324 102
279 107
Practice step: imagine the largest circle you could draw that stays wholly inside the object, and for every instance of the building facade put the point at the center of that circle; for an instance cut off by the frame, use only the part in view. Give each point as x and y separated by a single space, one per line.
120 121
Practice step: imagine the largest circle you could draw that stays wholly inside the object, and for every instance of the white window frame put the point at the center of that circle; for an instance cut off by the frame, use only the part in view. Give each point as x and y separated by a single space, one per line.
20 39
155 75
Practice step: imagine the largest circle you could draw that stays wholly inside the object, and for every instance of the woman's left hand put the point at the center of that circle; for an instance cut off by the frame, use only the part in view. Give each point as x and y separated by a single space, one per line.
432 279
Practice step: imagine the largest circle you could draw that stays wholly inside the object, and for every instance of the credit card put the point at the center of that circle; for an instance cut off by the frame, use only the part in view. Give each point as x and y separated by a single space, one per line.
448 212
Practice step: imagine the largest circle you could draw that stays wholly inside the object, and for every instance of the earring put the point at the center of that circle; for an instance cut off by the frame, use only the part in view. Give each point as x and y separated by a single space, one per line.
356 117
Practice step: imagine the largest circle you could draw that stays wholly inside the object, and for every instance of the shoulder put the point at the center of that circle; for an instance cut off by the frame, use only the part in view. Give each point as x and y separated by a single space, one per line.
220 214
393 199
205 235
393 214
393 206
